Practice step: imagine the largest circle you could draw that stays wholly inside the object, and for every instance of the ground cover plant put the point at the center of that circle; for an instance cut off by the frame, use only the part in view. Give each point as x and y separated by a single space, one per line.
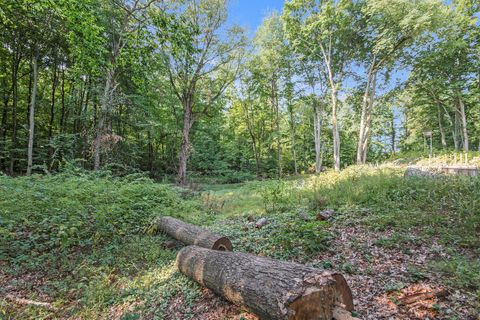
84 244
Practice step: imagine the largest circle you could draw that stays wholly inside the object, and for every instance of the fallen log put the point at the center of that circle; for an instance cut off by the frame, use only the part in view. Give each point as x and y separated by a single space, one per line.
191 234
272 289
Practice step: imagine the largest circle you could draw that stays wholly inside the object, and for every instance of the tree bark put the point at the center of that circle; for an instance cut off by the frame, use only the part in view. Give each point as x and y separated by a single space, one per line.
293 132
334 94
31 126
276 110
456 131
393 136
185 147
102 114
272 289
335 129
366 117
191 234
440 127
317 128
15 67
3 125
256 149
52 105
463 116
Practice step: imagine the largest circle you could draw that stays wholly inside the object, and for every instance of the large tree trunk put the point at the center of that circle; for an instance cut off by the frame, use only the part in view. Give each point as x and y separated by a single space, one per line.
31 126
272 289
185 147
191 234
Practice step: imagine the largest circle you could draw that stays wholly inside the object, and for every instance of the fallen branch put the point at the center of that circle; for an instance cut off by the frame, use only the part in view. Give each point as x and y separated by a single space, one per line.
420 296
22 301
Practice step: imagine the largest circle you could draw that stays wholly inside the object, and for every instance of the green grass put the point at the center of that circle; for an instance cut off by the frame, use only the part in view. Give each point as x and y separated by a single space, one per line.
84 241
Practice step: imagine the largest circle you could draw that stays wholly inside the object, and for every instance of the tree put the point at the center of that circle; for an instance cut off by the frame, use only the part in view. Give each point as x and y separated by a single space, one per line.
202 59
328 25
125 19
273 63
390 28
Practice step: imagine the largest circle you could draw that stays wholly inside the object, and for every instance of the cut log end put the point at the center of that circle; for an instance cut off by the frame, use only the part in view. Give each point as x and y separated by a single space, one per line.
223 244
315 303
327 293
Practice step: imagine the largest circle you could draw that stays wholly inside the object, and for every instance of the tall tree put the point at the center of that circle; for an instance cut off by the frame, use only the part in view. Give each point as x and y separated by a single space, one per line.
390 28
324 30
125 18
202 58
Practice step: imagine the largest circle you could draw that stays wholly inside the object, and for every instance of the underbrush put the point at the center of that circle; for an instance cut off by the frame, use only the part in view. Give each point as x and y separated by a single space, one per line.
79 241
417 210
84 242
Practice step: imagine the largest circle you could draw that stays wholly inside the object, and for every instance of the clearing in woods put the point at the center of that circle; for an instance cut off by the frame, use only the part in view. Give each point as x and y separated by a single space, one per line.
81 245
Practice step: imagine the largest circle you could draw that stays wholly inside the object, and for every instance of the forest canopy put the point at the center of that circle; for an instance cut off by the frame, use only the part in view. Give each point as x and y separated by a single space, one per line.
173 88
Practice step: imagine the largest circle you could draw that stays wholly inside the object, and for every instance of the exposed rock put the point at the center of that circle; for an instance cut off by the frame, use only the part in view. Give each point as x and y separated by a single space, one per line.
325 214
261 222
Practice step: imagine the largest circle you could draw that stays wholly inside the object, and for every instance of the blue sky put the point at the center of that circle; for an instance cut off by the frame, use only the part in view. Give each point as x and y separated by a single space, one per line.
250 13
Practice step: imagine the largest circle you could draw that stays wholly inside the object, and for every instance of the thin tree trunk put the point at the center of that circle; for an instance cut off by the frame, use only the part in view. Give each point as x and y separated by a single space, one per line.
31 127
317 128
277 125
15 67
334 95
463 116
150 151
394 133
455 131
256 149
366 109
440 127
52 106
185 147
336 133
368 122
102 114
52 113
3 125
62 116
294 146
